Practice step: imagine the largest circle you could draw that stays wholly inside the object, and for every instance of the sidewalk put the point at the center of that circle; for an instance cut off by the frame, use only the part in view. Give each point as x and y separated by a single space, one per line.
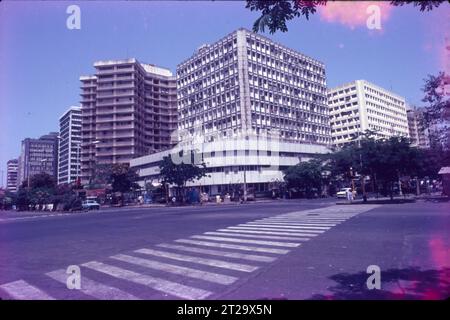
380 200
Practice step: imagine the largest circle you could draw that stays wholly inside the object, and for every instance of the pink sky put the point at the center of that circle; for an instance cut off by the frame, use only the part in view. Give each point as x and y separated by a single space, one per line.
352 13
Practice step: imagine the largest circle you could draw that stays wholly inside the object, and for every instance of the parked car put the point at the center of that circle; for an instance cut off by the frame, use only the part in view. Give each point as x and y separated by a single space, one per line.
342 193
90 205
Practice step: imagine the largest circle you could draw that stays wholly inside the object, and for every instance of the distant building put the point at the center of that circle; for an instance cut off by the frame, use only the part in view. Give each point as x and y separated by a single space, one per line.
445 173
359 106
69 150
38 155
129 109
418 133
11 175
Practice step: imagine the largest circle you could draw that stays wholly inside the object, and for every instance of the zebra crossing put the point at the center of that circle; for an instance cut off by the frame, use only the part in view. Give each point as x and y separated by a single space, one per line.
198 267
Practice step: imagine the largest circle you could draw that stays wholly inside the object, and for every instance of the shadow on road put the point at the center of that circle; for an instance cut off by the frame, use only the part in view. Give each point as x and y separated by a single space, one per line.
410 283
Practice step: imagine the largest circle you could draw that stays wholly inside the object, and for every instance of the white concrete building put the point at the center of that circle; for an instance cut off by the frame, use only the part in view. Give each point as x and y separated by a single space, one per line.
418 133
250 107
257 160
12 167
359 106
69 149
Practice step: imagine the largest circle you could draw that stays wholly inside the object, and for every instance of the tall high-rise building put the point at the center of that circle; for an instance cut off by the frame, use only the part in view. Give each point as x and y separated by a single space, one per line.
69 150
11 175
247 82
249 107
359 106
418 133
129 109
39 155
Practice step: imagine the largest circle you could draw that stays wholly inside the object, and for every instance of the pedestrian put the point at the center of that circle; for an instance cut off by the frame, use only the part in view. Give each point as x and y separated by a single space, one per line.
349 195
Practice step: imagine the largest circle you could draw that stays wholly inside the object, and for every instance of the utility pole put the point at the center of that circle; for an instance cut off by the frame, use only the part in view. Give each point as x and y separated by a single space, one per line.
417 186
400 193
245 184
363 183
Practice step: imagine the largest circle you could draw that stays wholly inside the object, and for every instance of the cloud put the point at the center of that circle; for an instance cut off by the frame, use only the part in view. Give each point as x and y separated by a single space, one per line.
352 14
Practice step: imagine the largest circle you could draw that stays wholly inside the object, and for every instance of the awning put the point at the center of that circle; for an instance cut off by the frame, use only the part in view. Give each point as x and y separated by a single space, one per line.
444 170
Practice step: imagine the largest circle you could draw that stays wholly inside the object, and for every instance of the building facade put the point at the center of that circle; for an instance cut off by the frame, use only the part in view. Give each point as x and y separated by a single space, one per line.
359 106
248 107
39 155
128 110
247 82
418 133
69 149
11 175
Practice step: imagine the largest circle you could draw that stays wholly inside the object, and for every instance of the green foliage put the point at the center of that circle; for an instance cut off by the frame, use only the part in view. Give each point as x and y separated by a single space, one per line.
101 175
42 180
275 13
384 160
437 109
180 174
305 176
123 178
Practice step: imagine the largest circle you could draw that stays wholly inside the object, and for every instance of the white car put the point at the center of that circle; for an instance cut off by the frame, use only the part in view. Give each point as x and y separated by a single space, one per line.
342 193
90 205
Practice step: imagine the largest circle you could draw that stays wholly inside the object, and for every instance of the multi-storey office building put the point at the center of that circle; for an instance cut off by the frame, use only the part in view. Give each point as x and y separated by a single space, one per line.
418 133
247 82
39 155
359 106
69 150
11 175
128 110
248 104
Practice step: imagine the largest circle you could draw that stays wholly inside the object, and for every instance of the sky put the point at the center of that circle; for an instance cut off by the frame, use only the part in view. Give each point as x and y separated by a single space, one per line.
41 60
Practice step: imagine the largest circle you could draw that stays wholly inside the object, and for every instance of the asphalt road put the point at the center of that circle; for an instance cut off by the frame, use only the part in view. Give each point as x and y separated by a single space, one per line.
273 250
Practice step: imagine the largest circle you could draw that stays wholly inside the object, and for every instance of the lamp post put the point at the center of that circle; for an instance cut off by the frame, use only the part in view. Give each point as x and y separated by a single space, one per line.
245 184
363 182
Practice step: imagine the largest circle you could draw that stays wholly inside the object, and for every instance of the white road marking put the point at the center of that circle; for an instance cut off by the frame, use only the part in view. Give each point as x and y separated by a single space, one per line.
233 246
243 230
93 288
295 223
267 243
22 290
276 229
188 272
172 288
255 236
283 226
227 254
303 220
205 261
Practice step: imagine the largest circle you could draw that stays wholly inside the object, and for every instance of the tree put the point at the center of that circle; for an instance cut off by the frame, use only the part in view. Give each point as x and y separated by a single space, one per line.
275 13
100 175
42 180
384 160
305 176
123 178
180 174
22 199
437 109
